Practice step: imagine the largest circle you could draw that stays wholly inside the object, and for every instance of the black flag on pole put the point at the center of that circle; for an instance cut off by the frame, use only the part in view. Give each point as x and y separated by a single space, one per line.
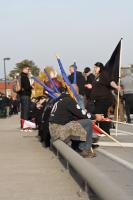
113 64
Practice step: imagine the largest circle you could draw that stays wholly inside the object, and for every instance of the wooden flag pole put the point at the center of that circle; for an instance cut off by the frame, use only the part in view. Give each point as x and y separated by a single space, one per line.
109 136
118 97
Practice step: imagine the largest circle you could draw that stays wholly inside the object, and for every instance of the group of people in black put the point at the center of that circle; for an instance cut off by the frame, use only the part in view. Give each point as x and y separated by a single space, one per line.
97 91
8 106
66 118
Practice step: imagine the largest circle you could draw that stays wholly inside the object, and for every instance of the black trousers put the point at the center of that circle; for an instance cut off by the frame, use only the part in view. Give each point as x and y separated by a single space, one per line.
43 132
25 107
128 98
101 107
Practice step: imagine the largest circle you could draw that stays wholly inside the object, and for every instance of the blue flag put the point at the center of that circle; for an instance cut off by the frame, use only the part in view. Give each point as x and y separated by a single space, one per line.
52 82
67 80
49 90
75 77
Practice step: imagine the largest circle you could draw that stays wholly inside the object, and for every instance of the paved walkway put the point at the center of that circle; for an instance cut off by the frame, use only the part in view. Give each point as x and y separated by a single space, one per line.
30 172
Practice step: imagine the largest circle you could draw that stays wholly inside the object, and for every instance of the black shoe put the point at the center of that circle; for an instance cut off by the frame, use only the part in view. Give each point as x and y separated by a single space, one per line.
87 154
94 146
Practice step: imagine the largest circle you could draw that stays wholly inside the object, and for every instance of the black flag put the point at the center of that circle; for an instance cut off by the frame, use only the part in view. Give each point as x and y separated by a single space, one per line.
113 65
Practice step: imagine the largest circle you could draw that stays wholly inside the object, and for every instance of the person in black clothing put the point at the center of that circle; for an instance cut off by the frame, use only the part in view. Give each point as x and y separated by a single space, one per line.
3 103
25 93
43 128
38 109
101 93
69 122
80 81
14 106
89 78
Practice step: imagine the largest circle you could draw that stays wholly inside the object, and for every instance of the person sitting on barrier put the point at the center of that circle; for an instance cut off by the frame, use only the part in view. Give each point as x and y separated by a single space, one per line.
69 122
43 128
37 111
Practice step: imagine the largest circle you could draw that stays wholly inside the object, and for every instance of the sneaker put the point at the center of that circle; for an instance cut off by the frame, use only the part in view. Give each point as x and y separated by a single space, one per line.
29 130
102 135
25 130
94 146
87 154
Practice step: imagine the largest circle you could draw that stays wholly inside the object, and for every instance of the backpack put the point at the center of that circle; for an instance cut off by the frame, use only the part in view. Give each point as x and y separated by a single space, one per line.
44 125
17 85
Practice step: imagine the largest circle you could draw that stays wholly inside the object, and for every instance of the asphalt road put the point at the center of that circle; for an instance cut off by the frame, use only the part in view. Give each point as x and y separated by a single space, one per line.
115 161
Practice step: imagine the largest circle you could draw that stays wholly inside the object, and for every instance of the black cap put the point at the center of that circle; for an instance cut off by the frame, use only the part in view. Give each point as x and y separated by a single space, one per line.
86 70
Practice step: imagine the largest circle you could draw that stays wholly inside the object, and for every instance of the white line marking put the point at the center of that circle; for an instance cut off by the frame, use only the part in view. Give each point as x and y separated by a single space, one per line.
123 123
117 159
112 133
124 132
112 144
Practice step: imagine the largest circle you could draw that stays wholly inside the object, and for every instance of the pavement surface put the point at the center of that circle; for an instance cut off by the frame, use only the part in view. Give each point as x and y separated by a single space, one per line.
28 171
115 161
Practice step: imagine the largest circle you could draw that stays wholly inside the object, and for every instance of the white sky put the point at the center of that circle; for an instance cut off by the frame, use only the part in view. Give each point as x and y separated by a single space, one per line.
79 30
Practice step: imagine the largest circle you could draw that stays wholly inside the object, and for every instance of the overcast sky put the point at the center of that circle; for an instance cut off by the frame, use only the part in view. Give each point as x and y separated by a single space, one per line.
83 30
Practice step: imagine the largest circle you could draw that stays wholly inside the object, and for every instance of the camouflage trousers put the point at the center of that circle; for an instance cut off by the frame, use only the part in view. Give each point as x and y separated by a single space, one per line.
70 131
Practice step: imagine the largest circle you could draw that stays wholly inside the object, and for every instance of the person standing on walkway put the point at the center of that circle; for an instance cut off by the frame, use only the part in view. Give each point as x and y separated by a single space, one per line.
25 93
101 93
127 84
80 81
89 78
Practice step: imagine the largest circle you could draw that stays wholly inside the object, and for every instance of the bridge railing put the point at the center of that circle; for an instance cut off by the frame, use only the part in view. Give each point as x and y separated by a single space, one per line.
102 186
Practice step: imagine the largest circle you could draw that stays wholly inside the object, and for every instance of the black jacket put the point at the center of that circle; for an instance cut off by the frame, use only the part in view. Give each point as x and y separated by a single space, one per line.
65 110
101 88
80 81
25 85
89 80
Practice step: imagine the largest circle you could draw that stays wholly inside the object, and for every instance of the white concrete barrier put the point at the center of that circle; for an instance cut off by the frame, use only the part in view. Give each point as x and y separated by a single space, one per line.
104 188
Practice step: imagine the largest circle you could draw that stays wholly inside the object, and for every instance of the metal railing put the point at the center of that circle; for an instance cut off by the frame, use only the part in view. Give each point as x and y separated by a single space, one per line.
102 186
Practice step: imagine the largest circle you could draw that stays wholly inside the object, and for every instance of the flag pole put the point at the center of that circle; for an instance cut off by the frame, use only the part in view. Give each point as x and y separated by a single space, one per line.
109 136
118 96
